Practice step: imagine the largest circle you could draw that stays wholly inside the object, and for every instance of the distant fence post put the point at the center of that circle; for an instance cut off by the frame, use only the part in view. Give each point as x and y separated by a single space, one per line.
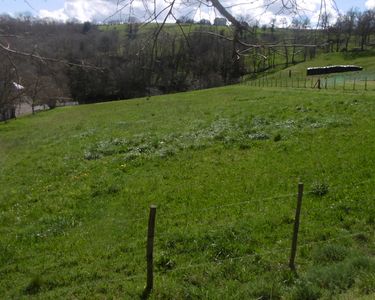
334 83
150 250
354 84
343 87
366 84
305 82
296 228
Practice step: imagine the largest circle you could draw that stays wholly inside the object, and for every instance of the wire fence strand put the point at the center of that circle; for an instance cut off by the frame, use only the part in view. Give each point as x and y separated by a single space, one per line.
270 251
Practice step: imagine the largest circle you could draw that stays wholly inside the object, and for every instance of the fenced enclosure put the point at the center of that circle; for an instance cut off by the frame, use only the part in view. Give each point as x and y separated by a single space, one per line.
357 81
172 236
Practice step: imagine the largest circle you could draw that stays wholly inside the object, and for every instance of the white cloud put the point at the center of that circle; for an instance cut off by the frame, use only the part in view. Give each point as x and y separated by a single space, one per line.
81 10
89 10
370 4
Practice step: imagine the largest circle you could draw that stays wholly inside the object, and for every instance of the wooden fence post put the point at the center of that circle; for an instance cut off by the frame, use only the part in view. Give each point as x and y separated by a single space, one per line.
334 83
354 85
150 250
296 228
366 84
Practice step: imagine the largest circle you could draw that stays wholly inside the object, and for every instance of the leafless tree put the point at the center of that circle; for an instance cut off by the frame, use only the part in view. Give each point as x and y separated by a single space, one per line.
365 26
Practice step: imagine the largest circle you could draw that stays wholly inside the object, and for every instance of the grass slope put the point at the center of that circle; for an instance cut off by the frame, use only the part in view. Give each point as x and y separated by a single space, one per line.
361 80
222 165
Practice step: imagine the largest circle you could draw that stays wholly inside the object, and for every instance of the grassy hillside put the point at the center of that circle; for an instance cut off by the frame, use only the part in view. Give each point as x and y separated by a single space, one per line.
364 59
360 80
222 165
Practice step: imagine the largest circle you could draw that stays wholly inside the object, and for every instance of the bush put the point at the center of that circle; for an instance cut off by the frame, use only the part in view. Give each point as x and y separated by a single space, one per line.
277 137
330 253
319 189
34 286
365 283
305 290
341 276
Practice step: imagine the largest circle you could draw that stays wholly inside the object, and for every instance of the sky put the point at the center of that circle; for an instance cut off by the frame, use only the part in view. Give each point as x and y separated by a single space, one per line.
98 10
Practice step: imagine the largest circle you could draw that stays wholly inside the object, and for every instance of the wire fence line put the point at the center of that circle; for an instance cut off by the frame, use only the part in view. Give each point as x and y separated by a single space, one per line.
187 223
238 203
218 261
216 207
136 245
335 82
270 251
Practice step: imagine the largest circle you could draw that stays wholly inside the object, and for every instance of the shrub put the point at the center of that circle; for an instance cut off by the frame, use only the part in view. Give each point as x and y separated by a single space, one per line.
164 262
365 283
341 276
259 136
266 290
305 290
330 253
277 137
34 286
319 189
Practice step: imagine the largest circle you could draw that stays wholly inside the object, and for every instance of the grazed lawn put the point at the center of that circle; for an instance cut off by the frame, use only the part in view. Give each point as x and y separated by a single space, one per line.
222 165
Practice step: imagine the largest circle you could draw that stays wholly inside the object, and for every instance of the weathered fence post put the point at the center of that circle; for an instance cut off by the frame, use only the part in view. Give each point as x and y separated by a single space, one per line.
296 228
366 84
334 83
354 85
150 250
305 82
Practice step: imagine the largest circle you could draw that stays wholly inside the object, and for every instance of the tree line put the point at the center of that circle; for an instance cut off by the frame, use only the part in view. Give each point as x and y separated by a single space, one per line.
46 62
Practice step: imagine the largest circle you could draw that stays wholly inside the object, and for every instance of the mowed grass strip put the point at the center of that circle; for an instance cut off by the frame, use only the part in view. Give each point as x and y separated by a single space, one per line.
221 164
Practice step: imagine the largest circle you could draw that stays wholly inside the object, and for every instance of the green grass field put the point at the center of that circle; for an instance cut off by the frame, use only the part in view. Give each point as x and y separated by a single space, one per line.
222 165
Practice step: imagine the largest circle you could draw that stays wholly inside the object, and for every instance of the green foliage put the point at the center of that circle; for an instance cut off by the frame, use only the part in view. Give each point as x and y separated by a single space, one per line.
319 188
330 253
34 286
365 283
340 277
305 290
